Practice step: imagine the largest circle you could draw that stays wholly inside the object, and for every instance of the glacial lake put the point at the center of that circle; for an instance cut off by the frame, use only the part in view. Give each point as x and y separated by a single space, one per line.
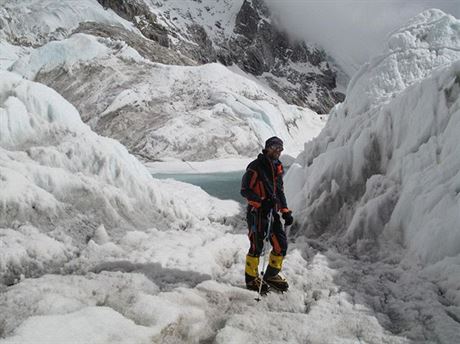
223 185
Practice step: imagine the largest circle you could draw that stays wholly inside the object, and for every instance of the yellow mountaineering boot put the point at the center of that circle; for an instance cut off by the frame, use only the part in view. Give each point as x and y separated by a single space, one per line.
272 277
252 275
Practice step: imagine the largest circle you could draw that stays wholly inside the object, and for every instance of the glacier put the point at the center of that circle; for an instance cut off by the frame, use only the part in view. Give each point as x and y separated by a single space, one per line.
94 249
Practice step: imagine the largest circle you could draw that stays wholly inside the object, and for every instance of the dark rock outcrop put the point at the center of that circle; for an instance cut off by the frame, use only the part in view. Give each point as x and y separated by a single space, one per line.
137 12
147 48
262 47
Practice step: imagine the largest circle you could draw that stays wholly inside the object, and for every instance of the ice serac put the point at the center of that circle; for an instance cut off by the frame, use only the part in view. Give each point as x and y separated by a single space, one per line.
384 173
428 41
35 23
60 182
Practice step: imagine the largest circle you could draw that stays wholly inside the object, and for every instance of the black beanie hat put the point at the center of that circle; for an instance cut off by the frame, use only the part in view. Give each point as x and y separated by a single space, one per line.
272 141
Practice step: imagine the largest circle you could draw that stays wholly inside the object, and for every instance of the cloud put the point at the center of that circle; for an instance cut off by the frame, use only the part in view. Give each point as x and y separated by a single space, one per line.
351 31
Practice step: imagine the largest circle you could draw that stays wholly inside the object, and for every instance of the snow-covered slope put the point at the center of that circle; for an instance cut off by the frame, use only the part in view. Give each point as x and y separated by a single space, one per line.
60 182
160 111
382 179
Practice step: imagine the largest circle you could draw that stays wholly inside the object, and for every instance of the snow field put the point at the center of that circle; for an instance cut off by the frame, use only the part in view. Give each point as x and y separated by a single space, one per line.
129 306
250 114
209 166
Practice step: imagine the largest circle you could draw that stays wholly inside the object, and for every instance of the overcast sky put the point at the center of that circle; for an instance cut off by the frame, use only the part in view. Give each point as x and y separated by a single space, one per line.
352 30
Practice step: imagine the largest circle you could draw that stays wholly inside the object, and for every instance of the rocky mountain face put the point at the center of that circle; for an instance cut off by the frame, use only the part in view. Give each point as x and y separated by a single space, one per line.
300 74
247 36
138 12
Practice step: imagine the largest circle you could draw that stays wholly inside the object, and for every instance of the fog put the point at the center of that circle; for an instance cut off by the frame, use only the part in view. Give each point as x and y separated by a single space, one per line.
351 31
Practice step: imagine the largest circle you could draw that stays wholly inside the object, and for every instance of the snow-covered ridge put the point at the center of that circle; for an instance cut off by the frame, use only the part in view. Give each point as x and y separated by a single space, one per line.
60 182
399 168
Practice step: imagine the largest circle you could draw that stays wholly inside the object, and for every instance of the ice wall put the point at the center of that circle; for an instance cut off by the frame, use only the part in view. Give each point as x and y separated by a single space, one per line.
385 170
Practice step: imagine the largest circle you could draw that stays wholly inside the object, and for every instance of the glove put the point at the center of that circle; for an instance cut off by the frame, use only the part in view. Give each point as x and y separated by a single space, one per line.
288 219
268 204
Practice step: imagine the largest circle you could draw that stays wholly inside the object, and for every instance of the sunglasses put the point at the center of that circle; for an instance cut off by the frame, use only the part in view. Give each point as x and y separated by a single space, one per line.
278 148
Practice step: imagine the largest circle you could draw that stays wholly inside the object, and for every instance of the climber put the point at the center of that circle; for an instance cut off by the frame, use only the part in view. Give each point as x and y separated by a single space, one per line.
262 186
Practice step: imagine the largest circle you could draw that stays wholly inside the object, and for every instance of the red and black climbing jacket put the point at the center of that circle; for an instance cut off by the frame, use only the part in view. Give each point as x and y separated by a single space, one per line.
263 179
